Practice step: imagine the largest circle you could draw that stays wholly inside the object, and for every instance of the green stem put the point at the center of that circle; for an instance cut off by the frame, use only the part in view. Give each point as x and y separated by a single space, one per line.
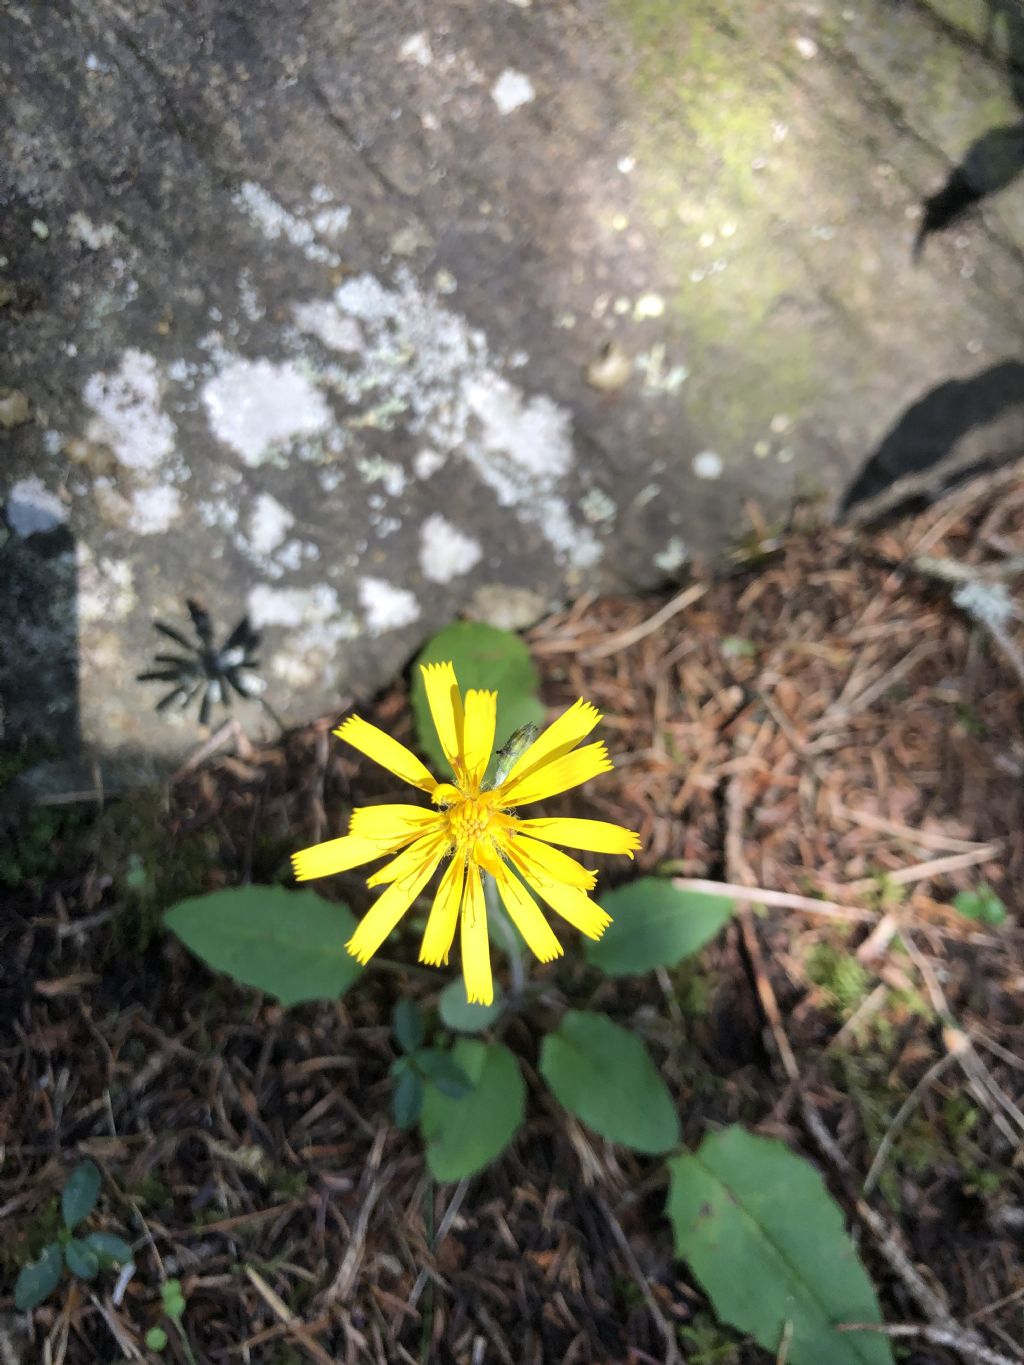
499 922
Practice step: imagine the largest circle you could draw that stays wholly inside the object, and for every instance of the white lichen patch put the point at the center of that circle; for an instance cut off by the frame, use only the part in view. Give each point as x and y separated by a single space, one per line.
648 306
512 90
94 236
275 222
597 507
32 507
129 417
375 469
324 319
416 48
154 510
445 551
256 405
708 465
423 365
106 588
672 557
315 626
426 463
385 606
269 524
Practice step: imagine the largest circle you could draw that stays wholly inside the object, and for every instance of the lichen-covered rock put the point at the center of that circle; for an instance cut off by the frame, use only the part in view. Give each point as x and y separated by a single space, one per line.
355 317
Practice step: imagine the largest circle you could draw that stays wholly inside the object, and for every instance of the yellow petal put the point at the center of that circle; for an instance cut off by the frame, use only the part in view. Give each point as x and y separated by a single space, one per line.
338 855
375 744
408 861
476 953
525 914
444 915
558 776
561 735
478 736
388 909
551 862
596 836
445 702
390 822
570 902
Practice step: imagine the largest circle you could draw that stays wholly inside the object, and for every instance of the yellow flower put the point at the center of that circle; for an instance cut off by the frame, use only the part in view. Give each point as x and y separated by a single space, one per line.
479 830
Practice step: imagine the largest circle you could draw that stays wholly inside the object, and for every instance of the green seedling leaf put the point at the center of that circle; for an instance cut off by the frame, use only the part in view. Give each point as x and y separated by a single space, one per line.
464 1135
79 1195
767 1242
483 657
654 924
442 1070
604 1075
407 1023
462 1017
290 944
173 1298
407 1098
82 1260
111 1250
983 905
156 1338
37 1280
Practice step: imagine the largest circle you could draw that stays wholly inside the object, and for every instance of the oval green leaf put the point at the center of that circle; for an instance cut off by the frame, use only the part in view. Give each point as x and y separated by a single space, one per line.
290 944
37 1280
407 1023
767 1242
82 1260
406 1098
654 924
462 1017
463 1135
483 657
79 1195
604 1075
156 1338
111 1250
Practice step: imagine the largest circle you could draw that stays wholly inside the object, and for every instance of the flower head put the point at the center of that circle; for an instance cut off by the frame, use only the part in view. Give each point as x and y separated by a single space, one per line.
477 828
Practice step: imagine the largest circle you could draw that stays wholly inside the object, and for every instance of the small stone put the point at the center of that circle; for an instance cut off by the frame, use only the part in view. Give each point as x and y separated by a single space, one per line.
806 46
508 608
14 408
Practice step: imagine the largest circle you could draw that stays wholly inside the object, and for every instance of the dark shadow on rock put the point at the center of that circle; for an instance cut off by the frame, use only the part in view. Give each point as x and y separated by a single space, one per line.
957 428
996 158
39 706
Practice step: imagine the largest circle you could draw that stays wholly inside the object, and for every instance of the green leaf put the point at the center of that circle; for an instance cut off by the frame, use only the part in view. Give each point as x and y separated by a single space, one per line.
82 1260
407 1098
441 1069
408 1025
290 944
174 1299
462 1017
766 1240
483 657
37 1280
156 1338
79 1195
604 1075
982 904
464 1135
654 924
111 1250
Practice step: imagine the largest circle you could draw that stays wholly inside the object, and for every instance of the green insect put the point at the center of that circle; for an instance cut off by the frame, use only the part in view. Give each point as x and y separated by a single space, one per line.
513 749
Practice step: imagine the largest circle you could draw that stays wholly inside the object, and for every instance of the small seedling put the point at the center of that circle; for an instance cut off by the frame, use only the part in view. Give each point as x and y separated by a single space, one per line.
983 905
420 1064
174 1308
83 1256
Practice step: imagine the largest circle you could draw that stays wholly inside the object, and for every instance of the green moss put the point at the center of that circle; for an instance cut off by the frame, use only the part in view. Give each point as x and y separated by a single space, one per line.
841 977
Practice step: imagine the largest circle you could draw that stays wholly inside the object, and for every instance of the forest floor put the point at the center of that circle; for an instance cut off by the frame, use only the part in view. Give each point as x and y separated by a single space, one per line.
819 723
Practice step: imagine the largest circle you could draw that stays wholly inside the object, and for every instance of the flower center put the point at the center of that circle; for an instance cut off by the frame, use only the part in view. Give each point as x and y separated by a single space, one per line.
468 820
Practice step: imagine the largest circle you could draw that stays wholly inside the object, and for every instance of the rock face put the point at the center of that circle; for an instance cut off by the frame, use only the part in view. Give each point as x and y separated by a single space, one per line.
358 316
